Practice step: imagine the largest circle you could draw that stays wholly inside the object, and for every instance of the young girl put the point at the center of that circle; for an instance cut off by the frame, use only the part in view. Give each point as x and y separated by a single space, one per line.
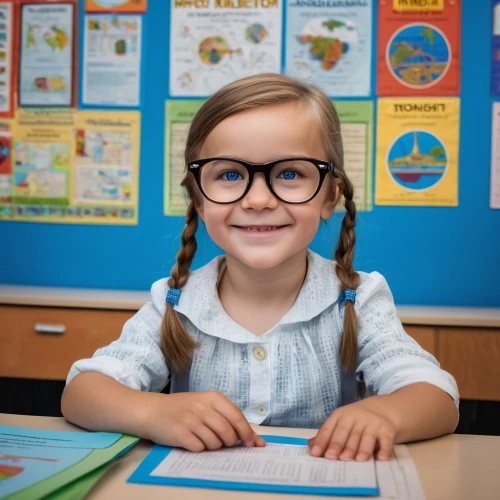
269 333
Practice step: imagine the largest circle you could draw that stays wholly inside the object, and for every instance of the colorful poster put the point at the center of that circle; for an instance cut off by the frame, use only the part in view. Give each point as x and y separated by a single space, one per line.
112 60
6 134
7 58
72 169
329 44
47 54
356 119
213 43
495 52
107 164
417 151
178 118
495 158
418 47
116 5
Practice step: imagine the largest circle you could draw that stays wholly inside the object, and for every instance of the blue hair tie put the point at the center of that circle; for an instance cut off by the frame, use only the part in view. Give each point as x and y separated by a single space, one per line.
347 295
173 296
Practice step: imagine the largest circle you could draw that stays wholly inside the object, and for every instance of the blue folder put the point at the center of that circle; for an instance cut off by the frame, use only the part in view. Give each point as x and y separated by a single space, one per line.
142 475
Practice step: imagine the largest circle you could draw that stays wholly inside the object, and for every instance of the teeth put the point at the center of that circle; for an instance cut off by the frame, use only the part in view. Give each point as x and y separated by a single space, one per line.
260 229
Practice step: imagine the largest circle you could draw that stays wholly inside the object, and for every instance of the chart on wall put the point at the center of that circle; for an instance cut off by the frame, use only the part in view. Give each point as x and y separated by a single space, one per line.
67 168
115 5
213 43
8 60
356 125
47 66
112 60
417 151
179 115
495 51
418 48
329 44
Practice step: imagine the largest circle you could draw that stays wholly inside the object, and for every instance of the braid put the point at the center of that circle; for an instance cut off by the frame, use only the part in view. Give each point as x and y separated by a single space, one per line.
344 256
177 345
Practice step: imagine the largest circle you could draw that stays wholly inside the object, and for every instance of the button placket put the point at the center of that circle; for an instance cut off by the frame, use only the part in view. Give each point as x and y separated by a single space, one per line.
260 384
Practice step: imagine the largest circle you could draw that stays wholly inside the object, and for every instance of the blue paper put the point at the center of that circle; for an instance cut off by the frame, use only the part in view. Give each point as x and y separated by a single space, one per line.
10 436
24 466
142 475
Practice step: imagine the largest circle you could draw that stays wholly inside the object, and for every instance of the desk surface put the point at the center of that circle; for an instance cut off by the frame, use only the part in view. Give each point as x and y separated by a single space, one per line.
455 467
487 317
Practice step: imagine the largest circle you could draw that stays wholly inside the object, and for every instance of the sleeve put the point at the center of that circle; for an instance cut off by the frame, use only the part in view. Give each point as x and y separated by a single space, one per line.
135 359
388 358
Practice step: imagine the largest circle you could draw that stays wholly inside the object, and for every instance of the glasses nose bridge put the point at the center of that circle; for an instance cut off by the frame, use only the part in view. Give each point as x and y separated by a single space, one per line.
259 168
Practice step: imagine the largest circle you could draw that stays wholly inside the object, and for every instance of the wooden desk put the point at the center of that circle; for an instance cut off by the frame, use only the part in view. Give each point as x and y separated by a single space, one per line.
455 467
466 341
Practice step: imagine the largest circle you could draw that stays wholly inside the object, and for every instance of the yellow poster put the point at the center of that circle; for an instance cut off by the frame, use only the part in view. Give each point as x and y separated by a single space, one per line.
106 178
42 161
70 168
417 151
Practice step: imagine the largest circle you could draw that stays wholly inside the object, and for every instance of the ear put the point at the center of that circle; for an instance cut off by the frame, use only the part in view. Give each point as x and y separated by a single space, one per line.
198 204
333 195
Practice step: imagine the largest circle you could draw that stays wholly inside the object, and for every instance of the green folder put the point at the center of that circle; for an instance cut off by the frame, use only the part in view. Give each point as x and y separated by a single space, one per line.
76 481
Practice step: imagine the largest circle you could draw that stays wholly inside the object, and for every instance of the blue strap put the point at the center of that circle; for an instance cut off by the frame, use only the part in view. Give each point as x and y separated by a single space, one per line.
173 296
347 295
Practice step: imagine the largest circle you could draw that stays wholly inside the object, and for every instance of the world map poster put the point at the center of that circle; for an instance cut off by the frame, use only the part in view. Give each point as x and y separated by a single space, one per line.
495 50
418 47
417 151
329 44
213 43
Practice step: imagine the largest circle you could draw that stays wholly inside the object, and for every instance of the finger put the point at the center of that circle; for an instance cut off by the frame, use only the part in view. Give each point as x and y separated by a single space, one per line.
190 442
339 439
237 420
322 438
207 437
385 442
352 443
221 428
259 441
366 446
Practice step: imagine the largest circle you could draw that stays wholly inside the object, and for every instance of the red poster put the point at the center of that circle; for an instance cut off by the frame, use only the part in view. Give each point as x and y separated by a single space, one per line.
9 56
136 6
418 47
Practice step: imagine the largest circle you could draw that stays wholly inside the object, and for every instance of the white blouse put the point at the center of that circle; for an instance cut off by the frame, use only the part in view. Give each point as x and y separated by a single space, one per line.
290 376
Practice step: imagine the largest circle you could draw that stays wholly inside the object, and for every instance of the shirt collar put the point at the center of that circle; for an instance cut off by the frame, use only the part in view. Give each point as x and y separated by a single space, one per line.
200 302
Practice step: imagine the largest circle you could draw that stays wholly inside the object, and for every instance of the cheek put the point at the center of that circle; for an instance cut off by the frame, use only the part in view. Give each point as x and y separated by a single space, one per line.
215 217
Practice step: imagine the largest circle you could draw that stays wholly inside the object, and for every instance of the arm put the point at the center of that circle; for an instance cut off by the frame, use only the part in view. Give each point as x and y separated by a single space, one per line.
417 411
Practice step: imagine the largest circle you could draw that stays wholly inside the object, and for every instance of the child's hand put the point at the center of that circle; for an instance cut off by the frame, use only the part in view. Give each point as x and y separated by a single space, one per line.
198 421
354 433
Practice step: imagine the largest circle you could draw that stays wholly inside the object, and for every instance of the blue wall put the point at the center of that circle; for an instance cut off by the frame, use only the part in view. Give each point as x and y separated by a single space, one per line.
434 256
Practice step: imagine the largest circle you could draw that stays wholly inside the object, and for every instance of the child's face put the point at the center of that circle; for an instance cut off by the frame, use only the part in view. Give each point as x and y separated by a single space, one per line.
258 136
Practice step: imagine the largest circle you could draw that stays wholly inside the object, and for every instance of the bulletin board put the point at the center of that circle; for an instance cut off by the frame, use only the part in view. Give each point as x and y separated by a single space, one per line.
441 256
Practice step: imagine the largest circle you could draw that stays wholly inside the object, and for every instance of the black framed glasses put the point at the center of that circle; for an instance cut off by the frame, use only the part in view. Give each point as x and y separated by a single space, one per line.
292 180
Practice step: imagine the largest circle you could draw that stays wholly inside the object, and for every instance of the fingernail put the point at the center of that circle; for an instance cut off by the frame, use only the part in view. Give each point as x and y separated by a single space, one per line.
316 450
331 454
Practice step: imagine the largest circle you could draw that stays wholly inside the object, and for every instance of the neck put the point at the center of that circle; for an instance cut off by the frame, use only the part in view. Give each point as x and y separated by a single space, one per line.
265 287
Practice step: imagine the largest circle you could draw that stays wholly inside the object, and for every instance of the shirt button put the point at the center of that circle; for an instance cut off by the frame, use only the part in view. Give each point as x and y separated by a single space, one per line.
259 353
261 410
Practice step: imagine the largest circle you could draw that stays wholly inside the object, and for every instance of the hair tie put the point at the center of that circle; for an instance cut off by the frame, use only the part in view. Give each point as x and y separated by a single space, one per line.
347 295
173 296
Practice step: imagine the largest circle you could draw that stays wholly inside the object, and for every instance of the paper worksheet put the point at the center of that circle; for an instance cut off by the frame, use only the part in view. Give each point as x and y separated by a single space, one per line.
283 465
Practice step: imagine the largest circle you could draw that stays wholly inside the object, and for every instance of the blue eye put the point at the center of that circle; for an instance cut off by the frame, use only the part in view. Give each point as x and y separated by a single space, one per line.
231 176
289 175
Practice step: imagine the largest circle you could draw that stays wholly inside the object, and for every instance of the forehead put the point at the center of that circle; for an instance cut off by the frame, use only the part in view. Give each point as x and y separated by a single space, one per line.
266 133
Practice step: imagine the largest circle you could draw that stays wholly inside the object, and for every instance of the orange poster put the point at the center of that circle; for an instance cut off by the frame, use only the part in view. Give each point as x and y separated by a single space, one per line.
116 5
418 47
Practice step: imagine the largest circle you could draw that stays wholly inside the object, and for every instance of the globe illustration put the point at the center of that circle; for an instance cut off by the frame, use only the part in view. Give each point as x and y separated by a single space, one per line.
417 160
255 33
418 55
328 39
212 50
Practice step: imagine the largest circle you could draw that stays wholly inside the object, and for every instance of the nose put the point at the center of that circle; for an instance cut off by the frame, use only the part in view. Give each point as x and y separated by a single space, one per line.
259 196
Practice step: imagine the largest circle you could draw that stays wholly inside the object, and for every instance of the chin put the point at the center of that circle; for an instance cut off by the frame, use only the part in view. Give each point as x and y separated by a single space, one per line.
262 258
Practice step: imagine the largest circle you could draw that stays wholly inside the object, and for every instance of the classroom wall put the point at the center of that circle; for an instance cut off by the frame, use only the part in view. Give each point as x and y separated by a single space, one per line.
432 256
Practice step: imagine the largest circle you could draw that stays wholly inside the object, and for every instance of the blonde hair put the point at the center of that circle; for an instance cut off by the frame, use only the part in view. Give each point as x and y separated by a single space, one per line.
244 94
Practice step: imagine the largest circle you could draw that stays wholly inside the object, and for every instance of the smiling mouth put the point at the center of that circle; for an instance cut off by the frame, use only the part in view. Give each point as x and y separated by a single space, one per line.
259 229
